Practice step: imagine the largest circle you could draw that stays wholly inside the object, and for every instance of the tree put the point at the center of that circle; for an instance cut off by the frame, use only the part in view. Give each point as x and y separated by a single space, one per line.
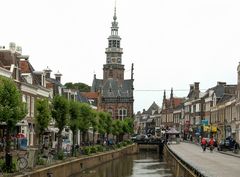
85 113
101 124
12 109
43 117
128 125
108 124
94 123
81 87
60 110
74 122
118 129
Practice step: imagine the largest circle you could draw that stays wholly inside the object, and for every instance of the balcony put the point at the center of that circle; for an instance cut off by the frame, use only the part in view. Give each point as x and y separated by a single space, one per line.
114 49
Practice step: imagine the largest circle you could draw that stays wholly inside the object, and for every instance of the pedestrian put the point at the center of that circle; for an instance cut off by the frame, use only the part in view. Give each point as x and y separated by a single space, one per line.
211 144
204 144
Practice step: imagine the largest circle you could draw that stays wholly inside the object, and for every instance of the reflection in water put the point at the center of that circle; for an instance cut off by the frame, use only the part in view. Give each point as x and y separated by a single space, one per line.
144 164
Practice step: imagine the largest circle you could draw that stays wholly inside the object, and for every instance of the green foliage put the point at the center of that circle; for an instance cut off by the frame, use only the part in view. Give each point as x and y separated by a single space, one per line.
94 120
85 116
40 160
43 115
128 125
87 150
119 145
93 149
60 108
5 168
60 155
99 148
81 87
12 109
104 123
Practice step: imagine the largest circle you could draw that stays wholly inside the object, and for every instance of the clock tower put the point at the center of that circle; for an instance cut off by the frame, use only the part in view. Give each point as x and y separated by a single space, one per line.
115 92
113 67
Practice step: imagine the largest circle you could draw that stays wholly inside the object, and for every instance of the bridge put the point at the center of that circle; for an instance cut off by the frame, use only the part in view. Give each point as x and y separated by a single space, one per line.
156 145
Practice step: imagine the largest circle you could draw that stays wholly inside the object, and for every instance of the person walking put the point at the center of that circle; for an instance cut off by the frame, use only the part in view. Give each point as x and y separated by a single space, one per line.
204 144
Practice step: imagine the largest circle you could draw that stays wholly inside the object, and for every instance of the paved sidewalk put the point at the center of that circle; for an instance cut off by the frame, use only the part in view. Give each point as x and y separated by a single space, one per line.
211 164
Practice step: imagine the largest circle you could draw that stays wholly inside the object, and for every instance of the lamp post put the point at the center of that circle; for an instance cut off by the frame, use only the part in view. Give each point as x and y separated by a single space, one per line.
225 129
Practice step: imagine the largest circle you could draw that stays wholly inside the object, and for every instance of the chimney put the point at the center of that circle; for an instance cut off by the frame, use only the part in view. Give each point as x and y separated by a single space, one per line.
12 46
19 49
196 86
221 83
58 76
191 87
47 72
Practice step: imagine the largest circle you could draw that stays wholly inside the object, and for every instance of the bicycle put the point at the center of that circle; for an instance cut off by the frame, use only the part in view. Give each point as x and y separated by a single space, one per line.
22 161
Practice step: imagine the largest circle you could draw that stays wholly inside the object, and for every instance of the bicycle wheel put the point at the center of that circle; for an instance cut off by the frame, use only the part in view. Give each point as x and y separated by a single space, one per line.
22 162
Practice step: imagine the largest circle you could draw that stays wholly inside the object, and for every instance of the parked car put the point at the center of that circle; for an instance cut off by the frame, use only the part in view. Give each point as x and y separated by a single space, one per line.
142 137
134 137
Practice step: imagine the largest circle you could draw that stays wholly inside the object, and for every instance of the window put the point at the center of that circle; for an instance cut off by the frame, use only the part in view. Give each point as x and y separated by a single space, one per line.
114 43
110 44
122 113
118 44
110 111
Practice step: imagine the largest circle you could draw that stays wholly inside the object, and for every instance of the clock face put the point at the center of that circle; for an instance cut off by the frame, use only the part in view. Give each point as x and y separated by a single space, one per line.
119 60
114 60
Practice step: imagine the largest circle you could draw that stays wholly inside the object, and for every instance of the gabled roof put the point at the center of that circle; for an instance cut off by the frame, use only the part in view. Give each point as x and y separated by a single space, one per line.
153 108
90 95
112 88
26 66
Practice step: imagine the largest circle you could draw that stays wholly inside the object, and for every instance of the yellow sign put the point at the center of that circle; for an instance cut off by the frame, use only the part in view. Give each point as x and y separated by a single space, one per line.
214 129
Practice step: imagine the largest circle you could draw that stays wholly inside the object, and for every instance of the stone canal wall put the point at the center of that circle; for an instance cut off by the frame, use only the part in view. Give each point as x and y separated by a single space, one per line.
76 165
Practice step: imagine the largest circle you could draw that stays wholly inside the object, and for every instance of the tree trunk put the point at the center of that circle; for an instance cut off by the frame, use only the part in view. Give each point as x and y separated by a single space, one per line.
8 155
73 144
94 137
59 144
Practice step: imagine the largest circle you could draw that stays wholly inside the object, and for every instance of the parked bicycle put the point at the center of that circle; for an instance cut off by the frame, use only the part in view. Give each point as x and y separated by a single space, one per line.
22 161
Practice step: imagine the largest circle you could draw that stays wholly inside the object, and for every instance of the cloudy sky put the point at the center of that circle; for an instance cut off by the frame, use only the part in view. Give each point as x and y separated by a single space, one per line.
172 43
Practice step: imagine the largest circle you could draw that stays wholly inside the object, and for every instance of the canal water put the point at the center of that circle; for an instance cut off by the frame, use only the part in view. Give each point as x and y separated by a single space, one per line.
144 164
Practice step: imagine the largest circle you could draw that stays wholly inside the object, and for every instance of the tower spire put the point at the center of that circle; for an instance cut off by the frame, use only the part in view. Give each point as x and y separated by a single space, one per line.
115 14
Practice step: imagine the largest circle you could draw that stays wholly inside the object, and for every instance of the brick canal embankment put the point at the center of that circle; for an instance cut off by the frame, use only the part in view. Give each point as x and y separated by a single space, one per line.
75 165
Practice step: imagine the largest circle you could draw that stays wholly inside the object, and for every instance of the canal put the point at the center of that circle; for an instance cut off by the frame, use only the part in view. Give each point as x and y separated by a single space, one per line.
144 164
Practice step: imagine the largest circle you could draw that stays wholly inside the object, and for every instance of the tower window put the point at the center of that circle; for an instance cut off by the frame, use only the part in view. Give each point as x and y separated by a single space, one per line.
118 44
114 43
109 43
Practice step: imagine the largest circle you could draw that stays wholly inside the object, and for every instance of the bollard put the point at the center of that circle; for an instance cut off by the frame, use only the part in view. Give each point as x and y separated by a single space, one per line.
49 174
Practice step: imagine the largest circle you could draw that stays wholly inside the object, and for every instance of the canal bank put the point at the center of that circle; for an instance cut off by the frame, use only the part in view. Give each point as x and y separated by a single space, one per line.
76 165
